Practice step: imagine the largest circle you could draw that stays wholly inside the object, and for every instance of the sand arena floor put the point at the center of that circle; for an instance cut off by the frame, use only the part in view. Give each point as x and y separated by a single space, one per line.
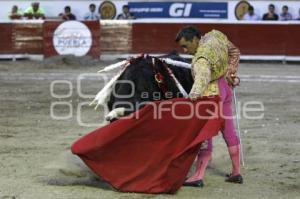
33 144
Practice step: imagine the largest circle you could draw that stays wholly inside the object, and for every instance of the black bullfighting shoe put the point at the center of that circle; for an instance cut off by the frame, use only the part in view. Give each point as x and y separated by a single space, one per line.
197 183
234 179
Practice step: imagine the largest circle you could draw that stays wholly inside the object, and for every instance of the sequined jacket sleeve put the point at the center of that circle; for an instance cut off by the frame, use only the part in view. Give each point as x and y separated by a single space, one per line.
234 58
202 76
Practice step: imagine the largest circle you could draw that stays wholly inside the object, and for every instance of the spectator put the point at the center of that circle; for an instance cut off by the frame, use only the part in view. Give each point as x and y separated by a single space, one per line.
285 15
126 14
250 15
299 15
34 11
15 13
92 15
271 15
67 15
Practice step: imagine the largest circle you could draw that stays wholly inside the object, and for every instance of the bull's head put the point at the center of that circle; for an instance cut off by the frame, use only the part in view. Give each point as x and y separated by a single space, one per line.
146 79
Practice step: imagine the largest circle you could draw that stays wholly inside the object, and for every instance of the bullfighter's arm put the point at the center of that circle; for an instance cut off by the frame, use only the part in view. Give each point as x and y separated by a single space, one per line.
233 62
202 77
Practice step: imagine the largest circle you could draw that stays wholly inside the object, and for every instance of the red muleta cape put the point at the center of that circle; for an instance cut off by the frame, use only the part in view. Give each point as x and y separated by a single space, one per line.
150 155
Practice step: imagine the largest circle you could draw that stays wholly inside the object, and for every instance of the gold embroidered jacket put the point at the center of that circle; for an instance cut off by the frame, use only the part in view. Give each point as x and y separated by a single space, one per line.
215 56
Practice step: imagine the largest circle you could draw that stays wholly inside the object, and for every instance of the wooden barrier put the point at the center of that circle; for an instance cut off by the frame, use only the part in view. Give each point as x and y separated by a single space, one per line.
115 37
5 38
293 40
27 38
252 39
17 38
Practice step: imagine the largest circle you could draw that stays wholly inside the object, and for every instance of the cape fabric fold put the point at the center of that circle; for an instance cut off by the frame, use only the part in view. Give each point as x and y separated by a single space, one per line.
152 151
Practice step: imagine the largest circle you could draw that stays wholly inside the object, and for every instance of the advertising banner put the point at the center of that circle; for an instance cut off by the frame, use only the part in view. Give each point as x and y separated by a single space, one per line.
209 10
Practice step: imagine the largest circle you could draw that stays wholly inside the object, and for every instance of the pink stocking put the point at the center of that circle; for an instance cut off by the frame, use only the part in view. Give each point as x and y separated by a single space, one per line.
234 152
202 162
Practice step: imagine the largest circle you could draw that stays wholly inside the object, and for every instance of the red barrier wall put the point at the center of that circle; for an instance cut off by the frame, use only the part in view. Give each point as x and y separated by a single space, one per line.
20 38
144 37
293 37
5 38
252 39
27 38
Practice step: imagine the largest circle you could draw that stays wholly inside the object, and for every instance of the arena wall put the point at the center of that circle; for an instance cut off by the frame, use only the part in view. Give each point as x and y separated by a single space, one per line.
264 40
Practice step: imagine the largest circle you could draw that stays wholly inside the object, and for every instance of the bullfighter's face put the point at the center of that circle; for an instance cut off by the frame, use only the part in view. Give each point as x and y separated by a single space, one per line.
189 47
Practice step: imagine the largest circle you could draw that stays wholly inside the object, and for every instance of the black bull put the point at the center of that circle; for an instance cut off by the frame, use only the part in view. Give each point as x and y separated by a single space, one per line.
145 75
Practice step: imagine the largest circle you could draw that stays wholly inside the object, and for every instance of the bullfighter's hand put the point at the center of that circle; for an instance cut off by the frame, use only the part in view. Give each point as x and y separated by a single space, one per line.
232 79
194 96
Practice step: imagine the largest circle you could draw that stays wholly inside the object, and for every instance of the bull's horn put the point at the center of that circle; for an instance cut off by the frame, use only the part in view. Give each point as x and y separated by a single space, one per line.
176 63
113 66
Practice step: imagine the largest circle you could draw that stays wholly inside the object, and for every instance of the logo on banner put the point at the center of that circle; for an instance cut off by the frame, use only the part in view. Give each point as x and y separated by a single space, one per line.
180 9
107 10
208 10
72 37
241 8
